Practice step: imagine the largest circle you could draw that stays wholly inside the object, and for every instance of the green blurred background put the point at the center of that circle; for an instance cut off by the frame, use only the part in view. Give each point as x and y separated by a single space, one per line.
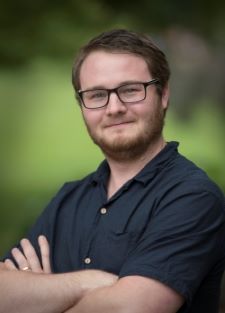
43 139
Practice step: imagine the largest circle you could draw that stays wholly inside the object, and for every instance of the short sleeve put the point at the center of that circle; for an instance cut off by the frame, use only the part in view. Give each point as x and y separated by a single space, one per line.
185 236
45 223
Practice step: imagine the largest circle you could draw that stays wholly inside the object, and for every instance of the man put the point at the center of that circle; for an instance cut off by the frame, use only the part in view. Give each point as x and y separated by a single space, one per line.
146 231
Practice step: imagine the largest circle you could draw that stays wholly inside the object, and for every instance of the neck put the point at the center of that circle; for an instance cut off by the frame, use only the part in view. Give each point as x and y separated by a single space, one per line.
123 170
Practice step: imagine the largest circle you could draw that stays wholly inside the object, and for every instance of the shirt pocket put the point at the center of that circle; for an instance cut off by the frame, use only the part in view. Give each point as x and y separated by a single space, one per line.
114 247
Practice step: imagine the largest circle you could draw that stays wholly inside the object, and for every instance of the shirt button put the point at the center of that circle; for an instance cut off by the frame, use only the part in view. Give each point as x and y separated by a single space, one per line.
103 210
87 260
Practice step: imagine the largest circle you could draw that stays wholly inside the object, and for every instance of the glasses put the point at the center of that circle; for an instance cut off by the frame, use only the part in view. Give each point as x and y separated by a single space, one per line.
127 93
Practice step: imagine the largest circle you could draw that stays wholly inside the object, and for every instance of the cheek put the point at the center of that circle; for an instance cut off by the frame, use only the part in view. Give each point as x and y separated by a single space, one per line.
91 118
151 108
143 112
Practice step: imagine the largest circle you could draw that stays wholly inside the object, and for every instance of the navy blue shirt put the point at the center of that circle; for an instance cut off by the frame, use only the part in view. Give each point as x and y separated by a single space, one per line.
166 223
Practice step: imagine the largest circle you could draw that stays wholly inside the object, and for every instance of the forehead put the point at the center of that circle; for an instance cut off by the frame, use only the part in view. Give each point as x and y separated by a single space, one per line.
111 68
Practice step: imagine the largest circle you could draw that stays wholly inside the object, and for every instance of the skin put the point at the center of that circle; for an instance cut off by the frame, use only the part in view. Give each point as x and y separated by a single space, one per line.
130 136
28 259
122 131
36 290
94 290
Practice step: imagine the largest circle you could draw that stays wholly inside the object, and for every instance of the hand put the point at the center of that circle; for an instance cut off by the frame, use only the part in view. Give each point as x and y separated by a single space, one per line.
2 266
28 260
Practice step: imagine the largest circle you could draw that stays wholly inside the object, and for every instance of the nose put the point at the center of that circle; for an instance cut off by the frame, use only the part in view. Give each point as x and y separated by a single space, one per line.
115 105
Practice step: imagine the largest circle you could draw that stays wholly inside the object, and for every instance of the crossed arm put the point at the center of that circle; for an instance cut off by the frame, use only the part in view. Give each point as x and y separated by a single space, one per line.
84 291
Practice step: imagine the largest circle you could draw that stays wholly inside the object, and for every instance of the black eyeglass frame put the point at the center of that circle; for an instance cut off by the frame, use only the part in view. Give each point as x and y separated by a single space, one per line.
115 90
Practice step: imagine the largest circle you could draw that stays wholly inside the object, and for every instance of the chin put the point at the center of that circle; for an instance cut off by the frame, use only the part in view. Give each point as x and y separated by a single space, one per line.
122 149
119 142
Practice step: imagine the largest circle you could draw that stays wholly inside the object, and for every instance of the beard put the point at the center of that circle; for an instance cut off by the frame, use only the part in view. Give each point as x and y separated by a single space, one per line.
126 148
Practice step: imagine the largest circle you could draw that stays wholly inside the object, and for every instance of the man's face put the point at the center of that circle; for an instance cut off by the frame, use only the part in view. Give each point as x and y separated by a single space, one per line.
123 131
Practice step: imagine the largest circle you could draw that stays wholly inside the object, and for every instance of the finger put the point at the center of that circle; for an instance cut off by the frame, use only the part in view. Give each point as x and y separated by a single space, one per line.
10 265
2 266
19 258
31 256
45 253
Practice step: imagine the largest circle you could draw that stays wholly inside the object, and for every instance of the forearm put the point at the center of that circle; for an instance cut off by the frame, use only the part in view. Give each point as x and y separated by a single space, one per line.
103 300
37 290
131 294
27 292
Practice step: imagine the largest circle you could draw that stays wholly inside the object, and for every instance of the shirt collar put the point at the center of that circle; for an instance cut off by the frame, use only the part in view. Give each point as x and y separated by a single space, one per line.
158 162
150 169
102 173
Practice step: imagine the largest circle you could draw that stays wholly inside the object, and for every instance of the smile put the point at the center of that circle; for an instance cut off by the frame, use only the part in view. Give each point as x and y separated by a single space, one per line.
119 124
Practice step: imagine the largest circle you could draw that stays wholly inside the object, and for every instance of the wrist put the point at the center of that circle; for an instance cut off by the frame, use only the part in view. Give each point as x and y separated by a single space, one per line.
89 280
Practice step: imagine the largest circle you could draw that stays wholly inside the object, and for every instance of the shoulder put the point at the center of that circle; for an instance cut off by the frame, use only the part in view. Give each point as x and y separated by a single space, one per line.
185 190
183 175
65 195
73 186
59 207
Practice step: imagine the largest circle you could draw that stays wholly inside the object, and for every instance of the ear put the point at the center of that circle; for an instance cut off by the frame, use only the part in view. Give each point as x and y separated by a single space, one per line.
165 97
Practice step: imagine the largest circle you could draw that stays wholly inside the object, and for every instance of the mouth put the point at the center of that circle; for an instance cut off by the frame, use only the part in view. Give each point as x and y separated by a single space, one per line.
118 124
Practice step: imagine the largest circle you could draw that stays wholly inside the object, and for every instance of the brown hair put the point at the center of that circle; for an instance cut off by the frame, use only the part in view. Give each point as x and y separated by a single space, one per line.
121 40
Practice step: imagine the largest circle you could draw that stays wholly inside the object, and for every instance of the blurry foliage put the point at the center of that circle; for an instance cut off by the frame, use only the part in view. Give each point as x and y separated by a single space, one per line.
44 142
56 28
46 28
43 139
192 33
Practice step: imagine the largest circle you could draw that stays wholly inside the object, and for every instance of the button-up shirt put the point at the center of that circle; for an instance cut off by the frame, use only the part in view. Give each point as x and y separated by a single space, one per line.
166 223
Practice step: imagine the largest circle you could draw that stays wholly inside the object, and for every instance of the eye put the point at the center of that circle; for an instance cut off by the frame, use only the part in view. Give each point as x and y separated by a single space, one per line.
131 89
96 94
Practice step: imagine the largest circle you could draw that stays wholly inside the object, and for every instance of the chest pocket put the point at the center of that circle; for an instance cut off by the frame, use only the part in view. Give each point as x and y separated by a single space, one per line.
112 249
113 241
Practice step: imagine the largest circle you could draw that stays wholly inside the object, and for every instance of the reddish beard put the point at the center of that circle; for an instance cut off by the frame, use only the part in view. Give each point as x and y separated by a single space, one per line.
124 149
